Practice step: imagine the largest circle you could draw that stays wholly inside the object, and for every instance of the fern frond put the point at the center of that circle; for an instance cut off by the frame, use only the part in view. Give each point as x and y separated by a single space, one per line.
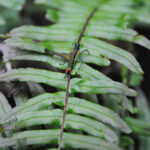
13 4
113 20
57 80
2 21
76 105
4 105
42 137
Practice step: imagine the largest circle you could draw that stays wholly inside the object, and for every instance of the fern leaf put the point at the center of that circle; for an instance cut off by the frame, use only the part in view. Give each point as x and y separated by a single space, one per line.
53 117
144 111
95 47
138 126
41 137
84 58
57 80
12 4
20 98
114 53
76 105
2 20
35 88
4 105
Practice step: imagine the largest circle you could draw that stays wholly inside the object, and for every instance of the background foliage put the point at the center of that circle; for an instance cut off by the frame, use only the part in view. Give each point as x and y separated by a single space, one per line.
104 109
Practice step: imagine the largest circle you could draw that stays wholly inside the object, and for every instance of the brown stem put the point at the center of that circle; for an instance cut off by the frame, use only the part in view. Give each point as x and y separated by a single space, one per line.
86 23
65 111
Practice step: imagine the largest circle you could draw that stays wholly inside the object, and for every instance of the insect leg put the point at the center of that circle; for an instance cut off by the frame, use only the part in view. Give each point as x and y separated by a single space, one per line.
86 50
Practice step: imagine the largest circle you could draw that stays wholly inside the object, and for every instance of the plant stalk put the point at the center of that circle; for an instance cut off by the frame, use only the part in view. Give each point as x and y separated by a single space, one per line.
65 111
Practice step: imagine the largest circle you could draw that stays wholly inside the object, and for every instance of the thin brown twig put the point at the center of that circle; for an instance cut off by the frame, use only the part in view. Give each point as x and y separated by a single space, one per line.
65 111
